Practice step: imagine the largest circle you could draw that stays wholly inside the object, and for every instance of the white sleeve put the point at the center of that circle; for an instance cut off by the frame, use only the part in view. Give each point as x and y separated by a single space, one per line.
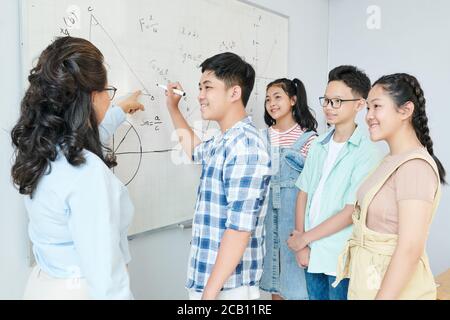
114 117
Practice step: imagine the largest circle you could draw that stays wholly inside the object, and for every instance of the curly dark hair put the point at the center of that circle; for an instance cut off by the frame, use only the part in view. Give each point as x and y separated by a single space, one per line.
353 77
57 112
301 111
403 88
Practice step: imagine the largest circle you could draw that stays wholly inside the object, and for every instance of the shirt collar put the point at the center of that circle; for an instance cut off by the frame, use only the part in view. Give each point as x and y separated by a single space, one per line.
355 139
244 122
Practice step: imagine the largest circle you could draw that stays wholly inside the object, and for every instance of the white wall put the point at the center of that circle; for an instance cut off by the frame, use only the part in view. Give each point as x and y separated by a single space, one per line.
308 45
13 244
414 38
158 268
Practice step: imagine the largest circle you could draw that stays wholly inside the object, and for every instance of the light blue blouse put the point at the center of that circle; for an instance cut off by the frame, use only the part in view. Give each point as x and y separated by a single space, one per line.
79 218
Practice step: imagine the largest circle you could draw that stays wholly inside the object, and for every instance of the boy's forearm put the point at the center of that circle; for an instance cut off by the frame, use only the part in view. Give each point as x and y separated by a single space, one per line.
232 248
332 225
188 139
302 198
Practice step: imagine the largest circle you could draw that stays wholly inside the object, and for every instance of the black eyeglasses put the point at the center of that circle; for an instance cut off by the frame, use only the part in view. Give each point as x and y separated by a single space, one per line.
111 91
336 103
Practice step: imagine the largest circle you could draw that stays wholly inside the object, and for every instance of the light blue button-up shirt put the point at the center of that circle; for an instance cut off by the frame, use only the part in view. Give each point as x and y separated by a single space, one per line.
356 160
79 218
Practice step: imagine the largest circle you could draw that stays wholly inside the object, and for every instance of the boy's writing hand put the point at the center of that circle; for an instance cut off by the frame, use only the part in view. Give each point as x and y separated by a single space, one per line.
173 99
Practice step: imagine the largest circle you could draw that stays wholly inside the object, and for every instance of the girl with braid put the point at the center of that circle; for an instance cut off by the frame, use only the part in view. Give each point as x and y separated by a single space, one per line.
385 258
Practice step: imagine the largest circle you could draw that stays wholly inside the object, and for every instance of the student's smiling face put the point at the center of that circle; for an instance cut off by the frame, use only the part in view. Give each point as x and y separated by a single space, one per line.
278 103
382 116
213 97
348 109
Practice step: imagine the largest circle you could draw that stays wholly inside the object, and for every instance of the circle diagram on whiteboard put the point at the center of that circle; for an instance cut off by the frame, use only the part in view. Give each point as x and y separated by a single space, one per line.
127 147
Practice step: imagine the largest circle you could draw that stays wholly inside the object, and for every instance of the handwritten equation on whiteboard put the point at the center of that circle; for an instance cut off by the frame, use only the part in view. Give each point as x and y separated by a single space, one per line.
145 42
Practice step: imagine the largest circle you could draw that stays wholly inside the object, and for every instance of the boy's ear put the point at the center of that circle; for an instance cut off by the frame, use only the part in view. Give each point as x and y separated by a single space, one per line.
361 104
236 93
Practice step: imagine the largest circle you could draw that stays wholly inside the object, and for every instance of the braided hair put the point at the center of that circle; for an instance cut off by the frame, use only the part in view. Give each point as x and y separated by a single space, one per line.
301 111
402 88
57 112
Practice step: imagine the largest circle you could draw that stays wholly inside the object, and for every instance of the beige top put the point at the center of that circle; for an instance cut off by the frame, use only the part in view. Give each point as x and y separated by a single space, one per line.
415 179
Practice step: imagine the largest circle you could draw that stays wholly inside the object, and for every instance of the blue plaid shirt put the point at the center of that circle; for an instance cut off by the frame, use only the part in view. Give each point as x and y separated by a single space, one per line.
231 195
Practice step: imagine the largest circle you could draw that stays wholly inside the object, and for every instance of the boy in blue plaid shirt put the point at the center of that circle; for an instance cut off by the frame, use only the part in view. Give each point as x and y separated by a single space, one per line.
227 246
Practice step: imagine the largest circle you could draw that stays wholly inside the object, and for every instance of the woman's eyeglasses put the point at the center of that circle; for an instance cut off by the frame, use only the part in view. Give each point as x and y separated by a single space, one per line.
111 91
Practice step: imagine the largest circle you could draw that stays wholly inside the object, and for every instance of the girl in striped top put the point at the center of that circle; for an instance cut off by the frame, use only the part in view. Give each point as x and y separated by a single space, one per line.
292 128
287 138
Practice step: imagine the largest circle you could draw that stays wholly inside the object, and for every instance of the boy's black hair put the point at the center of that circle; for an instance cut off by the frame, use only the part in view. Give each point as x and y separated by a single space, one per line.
353 77
233 70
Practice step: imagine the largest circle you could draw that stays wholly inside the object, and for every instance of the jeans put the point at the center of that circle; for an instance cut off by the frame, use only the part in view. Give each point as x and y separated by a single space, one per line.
319 287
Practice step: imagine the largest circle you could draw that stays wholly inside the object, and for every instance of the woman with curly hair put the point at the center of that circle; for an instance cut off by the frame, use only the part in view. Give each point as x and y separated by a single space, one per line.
385 257
79 212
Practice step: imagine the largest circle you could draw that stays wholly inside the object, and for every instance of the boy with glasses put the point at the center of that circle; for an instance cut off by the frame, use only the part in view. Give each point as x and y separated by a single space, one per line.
337 163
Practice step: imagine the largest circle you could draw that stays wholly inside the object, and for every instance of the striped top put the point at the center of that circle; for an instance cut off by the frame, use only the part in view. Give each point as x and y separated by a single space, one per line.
288 138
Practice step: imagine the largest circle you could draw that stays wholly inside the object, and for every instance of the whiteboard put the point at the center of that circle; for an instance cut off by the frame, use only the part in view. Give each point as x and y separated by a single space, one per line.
145 42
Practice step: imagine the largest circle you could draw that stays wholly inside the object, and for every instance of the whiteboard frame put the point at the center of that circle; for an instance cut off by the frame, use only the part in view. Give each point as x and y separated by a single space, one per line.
261 7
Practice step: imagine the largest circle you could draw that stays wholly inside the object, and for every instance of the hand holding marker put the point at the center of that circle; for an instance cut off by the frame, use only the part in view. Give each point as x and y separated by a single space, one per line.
176 91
